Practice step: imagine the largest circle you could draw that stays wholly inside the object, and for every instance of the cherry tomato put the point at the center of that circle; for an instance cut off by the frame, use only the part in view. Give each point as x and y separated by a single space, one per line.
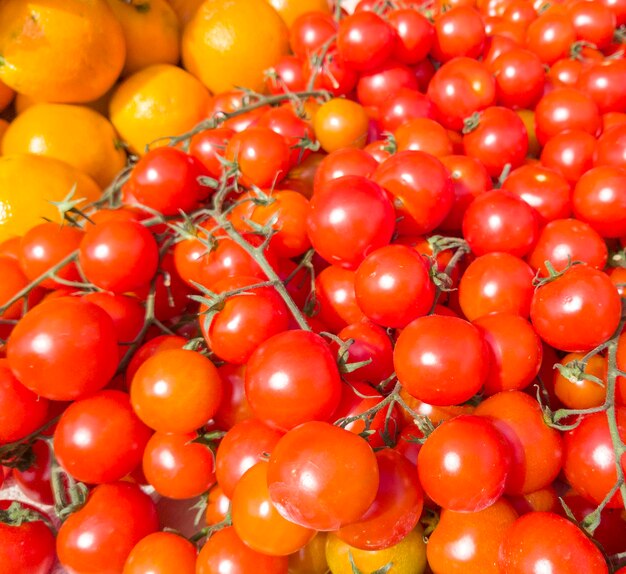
64 349
365 40
178 467
234 406
208 146
377 85
26 543
594 23
126 312
520 78
309 32
423 134
545 540
312 558
458 32
393 286
152 347
576 311
284 121
342 162
322 477
551 35
405 105
119 256
330 73
335 298
611 147
349 217
159 553
415 35
341 123
292 378
441 373
224 551
100 536
176 391
258 523
100 439
602 81
570 153
573 389
465 542
451 473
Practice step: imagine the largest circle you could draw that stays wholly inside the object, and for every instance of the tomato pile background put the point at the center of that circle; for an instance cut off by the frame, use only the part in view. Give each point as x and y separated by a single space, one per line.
343 284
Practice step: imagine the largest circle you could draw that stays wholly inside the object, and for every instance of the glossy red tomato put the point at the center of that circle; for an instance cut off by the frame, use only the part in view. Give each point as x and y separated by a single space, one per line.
234 406
603 81
515 351
441 360
423 134
465 542
100 439
546 540
287 75
365 40
594 23
224 551
377 85
551 35
415 35
498 221
100 536
13 281
589 461
160 553
21 410
26 546
535 449
44 246
451 473
458 32
546 190
421 190
566 109
246 320
258 523
245 444
611 147
292 378
395 510
176 391
64 349
208 146
335 298
309 32
166 180
346 161
119 256
322 477
349 217
153 346
600 199
570 153
393 286
574 390
576 311
496 138
566 240
459 88
331 73
178 467
404 106
520 78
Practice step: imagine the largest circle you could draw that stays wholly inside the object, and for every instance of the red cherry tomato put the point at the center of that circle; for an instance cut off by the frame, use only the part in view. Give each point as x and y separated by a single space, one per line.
159 552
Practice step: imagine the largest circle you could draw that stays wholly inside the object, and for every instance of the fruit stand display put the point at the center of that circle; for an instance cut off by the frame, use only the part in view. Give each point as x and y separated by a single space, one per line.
301 286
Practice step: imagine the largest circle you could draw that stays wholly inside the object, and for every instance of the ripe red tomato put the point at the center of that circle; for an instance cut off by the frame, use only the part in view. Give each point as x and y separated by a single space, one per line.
100 536
594 23
404 106
414 35
309 32
546 540
159 552
247 443
393 286
176 391
458 32
165 179
589 461
224 551
335 298
441 360
520 78
258 523
603 81
64 349
34 482
576 311
292 378
44 246
551 35
322 477
349 217
26 547
152 347
365 40
451 473
570 153
377 85
466 542
100 439
421 190
176 466
423 134
395 510
498 221
577 392
119 256
208 146
341 162
611 147
21 410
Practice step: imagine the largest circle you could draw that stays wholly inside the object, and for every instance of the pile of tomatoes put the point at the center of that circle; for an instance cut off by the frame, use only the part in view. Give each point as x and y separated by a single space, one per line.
369 321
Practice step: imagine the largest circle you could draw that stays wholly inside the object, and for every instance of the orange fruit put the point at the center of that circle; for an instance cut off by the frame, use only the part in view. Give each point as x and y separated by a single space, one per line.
185 9
101 105
157 101
28 183
74 134
6 96
231 43
289 10
60 50
4 125
151 31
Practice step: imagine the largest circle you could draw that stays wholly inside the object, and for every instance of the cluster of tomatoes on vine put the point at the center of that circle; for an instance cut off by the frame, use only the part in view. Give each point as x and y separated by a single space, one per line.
413 332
